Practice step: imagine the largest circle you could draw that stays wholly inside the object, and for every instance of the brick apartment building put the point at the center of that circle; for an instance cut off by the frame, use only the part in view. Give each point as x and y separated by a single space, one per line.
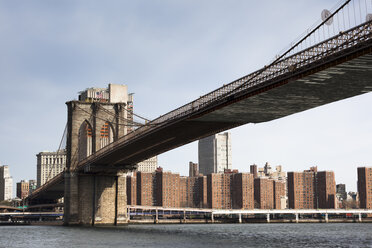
219 190
230 190
242 191
264 193
311 189
23 189
167 189
145 189
132 190
326 189
279 193
193 169
365 187
193 192
268 193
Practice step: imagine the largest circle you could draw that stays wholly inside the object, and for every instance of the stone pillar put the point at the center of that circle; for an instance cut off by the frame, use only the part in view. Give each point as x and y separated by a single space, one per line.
326 218
212 217
110 197
99 199
360 217
296 217
240 217
92 199
268 218
71 199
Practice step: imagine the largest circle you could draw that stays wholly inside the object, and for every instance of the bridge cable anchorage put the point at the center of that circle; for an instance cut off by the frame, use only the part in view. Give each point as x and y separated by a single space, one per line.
58 151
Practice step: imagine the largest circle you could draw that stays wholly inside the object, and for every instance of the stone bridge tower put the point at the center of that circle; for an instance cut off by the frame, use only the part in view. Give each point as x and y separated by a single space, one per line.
92 198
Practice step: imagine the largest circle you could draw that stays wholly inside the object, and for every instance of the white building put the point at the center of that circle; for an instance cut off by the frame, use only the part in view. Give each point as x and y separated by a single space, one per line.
50 164
6 184
215 153
148 165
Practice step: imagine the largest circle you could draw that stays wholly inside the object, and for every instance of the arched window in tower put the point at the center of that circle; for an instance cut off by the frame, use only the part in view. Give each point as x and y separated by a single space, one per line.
107 135
85 140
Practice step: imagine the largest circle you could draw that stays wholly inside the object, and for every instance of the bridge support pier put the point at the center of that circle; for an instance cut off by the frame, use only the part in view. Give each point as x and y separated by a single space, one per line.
326 218
296 217
268 218
95 200
240 217
360 217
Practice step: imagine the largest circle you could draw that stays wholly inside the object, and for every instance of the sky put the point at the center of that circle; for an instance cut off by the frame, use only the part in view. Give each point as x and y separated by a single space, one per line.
168 53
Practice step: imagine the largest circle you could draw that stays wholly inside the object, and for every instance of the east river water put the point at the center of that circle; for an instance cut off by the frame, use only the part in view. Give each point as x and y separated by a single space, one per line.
204 235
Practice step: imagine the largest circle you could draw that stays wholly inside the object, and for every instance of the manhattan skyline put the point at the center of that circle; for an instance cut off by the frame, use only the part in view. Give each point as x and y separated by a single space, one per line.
168 54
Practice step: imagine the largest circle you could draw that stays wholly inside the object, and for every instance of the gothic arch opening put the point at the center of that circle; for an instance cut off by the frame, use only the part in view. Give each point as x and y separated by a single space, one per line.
85 140
106 134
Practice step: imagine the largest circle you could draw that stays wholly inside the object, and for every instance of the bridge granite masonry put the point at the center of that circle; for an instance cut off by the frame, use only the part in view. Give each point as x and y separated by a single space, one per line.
325 71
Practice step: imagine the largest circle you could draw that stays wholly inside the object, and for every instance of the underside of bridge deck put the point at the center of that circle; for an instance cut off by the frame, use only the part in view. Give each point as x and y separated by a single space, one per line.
328 83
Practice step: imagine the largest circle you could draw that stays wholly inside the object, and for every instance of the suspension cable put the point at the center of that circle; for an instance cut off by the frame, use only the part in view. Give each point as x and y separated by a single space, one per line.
58 153
291 48
117 116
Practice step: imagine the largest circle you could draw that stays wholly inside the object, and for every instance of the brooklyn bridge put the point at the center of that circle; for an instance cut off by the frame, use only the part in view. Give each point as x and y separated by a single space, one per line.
330 62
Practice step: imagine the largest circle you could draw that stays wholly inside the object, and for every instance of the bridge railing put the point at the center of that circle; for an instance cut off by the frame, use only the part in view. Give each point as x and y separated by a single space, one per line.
304 58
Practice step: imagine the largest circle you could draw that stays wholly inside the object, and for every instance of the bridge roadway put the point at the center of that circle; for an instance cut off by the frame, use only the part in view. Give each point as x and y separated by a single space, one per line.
335 69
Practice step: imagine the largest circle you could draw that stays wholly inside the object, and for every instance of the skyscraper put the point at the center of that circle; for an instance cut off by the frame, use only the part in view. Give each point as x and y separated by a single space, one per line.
6 184
365 187
215 153
49 165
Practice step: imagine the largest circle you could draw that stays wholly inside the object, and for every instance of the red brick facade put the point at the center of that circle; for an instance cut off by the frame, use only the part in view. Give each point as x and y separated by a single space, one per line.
311 189
365 187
